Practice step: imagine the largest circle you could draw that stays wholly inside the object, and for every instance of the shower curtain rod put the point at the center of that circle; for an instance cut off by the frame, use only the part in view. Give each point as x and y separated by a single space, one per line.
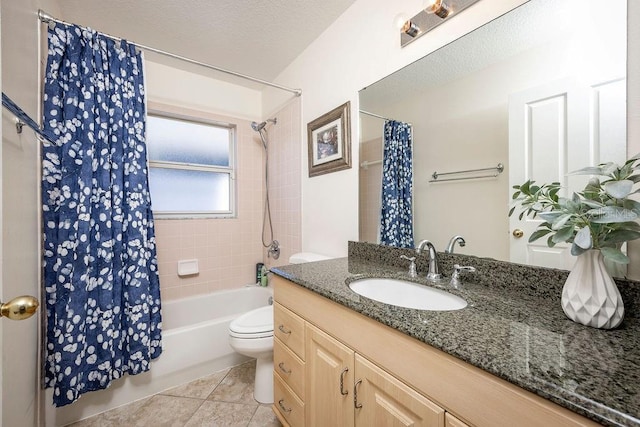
46 18
379 116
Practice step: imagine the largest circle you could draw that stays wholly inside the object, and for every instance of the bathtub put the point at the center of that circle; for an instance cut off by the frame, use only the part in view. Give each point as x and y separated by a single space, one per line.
195 344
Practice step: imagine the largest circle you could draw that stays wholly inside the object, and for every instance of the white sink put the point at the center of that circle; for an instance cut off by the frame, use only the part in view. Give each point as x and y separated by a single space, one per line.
407 294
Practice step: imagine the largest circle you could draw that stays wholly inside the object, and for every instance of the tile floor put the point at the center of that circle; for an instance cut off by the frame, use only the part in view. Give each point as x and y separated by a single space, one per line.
223 399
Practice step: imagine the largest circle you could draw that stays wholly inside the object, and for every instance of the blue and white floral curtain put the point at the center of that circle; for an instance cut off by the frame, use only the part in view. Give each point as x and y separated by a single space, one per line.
396 219
100 264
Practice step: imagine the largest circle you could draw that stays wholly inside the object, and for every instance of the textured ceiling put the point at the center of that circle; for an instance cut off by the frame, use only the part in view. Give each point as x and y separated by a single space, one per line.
254 37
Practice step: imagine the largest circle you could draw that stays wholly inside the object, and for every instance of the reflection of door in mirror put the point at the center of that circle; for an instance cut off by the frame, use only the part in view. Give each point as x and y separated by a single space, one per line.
457 99
555 129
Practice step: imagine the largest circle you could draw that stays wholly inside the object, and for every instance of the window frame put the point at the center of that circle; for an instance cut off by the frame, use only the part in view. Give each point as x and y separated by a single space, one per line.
231 170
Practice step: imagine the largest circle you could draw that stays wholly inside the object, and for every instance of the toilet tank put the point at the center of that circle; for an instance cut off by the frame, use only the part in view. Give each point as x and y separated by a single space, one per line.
302 257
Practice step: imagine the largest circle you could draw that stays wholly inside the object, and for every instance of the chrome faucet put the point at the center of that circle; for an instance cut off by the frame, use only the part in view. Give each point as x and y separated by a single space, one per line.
434 269
452 243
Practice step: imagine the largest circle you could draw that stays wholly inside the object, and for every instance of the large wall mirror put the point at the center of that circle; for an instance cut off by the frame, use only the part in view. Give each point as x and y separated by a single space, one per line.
541 90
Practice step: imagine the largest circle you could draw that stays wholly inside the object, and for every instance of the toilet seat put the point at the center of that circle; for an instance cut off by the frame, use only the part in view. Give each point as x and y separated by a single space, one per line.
256 323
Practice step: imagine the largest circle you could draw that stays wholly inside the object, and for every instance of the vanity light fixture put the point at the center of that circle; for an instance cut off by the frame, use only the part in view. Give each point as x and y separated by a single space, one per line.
410 29
434 13
437 7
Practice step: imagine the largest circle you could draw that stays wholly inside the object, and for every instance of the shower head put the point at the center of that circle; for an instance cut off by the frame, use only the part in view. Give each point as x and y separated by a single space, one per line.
259 126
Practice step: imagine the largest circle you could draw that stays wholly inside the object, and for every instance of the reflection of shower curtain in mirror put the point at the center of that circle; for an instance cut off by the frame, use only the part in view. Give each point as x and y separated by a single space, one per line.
396 219
100 263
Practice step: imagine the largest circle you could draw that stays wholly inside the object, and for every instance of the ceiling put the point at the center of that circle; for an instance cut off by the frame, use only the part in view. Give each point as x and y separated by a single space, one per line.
253 37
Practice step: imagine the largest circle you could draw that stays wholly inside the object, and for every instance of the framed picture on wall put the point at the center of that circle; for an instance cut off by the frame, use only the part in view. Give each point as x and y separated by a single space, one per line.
329 140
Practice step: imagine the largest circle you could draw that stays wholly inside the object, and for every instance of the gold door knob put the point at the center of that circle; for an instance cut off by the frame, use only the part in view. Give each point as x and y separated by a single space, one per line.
19 308
517 233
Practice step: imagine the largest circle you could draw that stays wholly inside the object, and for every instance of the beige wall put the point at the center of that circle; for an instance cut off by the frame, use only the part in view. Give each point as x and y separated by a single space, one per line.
284 182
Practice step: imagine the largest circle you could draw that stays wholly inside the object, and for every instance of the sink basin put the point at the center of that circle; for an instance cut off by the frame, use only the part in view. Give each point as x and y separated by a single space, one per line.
407 294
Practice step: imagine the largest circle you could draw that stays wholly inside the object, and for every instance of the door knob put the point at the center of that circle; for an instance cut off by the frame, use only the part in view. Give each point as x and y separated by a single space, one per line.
19 308
517 233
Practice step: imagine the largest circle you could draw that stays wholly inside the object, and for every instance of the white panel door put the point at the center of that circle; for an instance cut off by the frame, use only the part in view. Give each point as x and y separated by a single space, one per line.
553 130
18 273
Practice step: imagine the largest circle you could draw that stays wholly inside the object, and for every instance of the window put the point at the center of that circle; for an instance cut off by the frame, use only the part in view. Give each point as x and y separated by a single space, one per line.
191 167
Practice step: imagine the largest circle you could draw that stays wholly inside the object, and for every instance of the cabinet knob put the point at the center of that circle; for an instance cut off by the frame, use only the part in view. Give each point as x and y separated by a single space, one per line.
517 233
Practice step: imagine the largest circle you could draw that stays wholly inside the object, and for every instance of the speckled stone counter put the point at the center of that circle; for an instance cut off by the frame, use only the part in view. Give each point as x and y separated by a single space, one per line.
513 327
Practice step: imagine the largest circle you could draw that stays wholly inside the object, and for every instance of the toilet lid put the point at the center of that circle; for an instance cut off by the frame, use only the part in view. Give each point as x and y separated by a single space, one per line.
255 322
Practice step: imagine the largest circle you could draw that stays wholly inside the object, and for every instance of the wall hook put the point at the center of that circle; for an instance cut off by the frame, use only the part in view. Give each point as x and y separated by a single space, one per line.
19 125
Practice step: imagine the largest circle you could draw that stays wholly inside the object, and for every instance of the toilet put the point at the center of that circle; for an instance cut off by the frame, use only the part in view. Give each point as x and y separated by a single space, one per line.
251 335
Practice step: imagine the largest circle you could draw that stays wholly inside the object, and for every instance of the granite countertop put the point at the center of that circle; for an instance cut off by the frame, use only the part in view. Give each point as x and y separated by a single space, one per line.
513 327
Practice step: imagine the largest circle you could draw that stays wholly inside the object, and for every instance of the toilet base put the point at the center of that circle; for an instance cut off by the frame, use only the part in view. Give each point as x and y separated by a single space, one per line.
263 387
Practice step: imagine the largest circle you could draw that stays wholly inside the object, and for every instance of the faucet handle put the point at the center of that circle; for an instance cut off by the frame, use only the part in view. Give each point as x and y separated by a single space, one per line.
412 267
455 277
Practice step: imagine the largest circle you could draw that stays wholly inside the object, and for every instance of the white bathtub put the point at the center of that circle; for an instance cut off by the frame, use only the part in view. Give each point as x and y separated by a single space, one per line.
195 343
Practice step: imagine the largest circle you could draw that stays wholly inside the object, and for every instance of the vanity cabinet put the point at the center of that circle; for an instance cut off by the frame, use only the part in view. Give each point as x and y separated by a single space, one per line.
392 373
288 366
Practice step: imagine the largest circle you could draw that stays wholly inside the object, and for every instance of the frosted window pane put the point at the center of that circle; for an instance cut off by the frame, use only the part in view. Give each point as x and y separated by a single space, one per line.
173 140
179 190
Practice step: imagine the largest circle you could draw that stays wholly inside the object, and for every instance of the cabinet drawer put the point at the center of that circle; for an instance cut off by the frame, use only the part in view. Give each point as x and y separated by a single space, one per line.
289 329
287 403
289 367
451 421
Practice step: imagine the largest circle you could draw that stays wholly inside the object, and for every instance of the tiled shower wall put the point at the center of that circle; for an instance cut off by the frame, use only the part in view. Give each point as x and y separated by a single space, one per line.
227 249
285 194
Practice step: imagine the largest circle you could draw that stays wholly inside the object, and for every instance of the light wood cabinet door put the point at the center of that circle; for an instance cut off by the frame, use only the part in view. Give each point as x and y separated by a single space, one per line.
384 401
329 381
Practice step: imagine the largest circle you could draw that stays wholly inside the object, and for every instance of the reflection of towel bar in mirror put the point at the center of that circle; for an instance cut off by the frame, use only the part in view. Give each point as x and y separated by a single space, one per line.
499 169
367 163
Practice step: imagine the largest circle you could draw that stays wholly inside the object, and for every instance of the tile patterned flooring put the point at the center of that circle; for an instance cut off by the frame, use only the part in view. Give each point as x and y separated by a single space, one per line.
224 399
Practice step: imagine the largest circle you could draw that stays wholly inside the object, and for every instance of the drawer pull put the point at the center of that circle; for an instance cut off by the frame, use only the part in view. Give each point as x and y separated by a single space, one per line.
355 395
283 369
342 390
284 330
281 404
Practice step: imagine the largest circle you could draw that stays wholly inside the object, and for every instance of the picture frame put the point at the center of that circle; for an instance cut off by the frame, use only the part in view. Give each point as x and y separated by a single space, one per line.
329 141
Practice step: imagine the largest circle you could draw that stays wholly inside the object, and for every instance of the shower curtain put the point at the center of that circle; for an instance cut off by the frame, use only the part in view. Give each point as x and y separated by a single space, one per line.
396 219
100 265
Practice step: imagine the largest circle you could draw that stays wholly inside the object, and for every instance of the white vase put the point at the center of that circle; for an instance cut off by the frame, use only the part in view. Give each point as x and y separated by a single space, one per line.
590 296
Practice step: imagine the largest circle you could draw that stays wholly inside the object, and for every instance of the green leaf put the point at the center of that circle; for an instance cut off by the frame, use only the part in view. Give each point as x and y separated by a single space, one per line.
563 234
615 255
516 195
560 221
583 238
550 242
590 170
618 189
577 250
513 208
550 216
538 234
619 236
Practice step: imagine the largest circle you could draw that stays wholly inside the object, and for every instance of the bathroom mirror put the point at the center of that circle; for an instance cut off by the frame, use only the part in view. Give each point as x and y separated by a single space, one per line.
554 69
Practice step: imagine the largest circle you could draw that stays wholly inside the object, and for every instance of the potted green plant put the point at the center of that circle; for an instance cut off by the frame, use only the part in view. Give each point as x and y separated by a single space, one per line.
596 222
